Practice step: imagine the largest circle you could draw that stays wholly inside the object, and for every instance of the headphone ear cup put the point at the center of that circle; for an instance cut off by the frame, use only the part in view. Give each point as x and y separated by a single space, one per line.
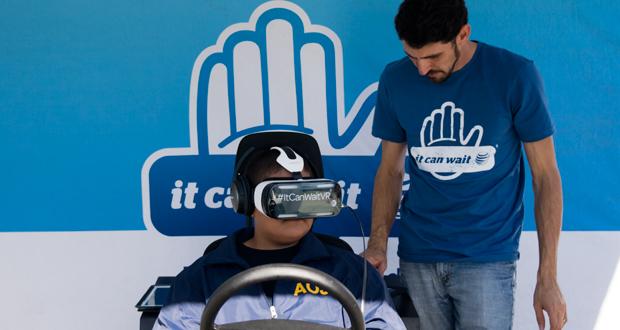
241 196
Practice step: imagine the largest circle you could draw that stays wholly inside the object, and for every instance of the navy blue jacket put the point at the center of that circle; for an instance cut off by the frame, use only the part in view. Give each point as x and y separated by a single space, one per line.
291 300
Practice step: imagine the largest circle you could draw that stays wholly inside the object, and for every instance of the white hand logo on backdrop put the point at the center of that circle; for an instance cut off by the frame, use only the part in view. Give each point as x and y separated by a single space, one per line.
279 72
447 155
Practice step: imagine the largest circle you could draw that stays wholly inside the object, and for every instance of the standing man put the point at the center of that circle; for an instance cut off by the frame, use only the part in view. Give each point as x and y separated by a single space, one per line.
458 112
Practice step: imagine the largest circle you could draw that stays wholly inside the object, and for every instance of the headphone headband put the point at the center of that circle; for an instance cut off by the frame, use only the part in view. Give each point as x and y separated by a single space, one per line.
290 160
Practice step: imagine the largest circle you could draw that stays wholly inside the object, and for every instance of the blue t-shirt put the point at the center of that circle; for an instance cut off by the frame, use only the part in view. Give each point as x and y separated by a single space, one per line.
465 201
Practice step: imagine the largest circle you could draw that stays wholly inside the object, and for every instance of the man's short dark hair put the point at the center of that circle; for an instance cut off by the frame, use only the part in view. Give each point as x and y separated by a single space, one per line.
421 22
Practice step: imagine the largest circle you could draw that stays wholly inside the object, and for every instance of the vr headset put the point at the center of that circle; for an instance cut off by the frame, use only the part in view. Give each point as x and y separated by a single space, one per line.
288 198
298 199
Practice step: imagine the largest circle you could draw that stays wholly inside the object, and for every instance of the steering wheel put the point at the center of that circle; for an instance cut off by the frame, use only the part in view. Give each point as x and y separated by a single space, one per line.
272 272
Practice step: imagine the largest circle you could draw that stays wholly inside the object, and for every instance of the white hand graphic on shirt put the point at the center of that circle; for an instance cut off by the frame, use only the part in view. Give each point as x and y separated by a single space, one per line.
447 155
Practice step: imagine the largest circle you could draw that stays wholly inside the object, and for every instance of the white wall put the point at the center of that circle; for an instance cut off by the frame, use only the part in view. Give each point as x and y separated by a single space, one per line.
92 280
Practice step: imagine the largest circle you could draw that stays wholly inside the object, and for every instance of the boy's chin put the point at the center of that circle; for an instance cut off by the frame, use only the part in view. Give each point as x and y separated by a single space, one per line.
293 236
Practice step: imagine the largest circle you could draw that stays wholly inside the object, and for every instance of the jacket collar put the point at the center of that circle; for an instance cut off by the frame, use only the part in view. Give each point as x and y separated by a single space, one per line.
311 248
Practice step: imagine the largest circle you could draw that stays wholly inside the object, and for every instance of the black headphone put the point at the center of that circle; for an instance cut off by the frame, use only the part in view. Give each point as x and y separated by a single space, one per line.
241 189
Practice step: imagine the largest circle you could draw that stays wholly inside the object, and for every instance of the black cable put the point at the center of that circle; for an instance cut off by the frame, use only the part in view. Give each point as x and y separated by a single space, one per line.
365 276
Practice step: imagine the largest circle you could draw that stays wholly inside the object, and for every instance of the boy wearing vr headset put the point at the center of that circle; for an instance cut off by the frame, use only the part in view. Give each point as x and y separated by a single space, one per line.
266 165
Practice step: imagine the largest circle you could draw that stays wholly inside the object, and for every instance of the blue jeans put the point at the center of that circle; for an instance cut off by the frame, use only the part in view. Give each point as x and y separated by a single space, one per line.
462 295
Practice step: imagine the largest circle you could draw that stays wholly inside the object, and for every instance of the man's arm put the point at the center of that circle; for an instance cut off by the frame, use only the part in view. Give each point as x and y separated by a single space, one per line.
547 186
385 199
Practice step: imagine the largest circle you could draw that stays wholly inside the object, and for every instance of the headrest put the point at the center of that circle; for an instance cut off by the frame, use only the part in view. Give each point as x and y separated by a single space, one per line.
303 144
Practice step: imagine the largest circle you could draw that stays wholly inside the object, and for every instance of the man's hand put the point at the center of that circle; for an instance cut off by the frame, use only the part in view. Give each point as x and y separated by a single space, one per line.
548 298
376 257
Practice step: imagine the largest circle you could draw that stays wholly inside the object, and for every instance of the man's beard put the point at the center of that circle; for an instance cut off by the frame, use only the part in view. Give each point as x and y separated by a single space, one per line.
438 80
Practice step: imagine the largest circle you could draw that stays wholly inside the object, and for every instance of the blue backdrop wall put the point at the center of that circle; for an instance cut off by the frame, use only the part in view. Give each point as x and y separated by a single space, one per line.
91 90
